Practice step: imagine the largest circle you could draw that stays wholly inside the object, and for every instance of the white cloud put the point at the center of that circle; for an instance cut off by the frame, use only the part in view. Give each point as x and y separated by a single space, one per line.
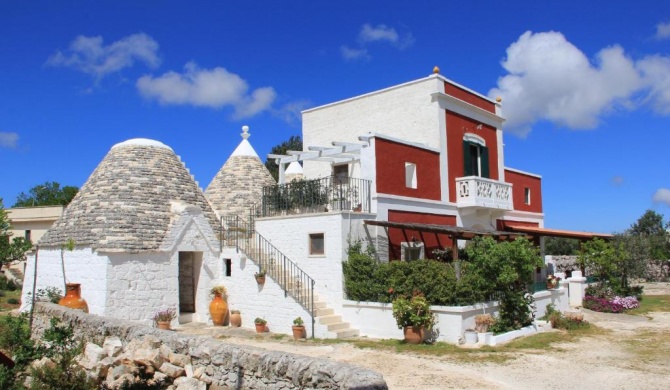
291 112
617 180
655 71
663 30
354 54
371 34
662 195
8 140
380 32
89 55
214 88
551 79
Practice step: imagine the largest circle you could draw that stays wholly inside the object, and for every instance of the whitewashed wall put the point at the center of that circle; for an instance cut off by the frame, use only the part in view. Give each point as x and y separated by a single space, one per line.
81 266
265 301
397 111
290 235
376 320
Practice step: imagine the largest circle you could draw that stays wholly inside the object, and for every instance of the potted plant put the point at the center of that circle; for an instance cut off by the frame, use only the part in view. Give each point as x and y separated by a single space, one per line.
552 281
414 316
260 276
218 308
162 318
298 328
235 318
483 323
470 336
260 324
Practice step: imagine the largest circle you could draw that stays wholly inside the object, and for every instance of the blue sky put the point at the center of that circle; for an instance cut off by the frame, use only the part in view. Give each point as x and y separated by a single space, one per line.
585 85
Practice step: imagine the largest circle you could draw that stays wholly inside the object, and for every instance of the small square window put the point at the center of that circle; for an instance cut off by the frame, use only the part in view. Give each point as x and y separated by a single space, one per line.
316 244
412 251
410 175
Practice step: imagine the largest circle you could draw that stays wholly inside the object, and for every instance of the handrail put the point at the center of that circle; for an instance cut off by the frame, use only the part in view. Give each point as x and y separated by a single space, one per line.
292 279
315 196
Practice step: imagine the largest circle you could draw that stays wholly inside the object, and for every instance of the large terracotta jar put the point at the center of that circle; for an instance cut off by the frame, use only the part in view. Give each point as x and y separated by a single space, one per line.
414 334
73 299
218 309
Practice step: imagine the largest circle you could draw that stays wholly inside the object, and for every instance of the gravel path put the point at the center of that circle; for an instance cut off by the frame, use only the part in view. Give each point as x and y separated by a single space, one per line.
634 354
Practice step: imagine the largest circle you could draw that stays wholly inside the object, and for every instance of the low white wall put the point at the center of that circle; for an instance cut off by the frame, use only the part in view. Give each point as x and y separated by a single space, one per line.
81 266
376 320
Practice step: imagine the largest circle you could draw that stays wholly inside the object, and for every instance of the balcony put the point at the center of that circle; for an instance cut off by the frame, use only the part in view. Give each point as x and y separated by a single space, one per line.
315 196
474 191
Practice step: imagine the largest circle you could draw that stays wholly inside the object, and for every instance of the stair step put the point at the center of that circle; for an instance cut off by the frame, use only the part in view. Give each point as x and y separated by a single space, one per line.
319 304
338 326
346 333
329 319
324 312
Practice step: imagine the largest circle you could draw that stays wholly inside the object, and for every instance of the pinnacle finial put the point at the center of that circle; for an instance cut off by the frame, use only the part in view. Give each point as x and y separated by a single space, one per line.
245 132
436 70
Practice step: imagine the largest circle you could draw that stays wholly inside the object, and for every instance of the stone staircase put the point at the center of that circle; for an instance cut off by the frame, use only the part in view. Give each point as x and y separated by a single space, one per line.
333 323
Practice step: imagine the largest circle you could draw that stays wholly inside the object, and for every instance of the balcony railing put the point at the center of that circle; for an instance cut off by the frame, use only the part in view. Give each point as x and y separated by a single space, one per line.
474 191
316 196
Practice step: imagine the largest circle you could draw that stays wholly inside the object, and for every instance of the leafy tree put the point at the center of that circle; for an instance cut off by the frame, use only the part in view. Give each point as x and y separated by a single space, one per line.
10 249
650 227
561 246
293 143
48 194
602 259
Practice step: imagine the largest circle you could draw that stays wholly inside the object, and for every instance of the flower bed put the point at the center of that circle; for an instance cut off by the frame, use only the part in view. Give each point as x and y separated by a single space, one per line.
615 305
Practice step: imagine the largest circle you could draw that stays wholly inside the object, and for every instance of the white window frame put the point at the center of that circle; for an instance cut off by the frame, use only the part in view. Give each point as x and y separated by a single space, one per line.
309 244
412 245
410 175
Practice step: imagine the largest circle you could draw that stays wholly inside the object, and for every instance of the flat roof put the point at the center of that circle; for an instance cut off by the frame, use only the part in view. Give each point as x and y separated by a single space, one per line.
538 231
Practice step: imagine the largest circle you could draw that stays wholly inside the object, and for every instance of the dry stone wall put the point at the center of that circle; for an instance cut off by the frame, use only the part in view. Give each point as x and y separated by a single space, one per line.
226 366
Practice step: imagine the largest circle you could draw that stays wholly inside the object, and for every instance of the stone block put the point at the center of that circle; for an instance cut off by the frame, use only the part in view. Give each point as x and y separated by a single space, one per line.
171 370
149 357
112 346
94 353
179 359
189 370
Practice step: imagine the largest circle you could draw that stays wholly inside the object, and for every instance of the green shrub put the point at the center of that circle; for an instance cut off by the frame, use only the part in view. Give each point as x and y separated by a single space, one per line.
2 294
3 282
13 301
12 286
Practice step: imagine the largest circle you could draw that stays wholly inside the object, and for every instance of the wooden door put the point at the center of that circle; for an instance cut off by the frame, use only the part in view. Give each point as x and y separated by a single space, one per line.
186 282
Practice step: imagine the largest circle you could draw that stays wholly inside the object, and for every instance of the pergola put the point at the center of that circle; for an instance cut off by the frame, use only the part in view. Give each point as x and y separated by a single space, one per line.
338 153
455 233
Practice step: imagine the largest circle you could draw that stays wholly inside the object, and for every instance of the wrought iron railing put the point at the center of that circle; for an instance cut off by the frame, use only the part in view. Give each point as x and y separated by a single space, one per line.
241 234
315 196
538 286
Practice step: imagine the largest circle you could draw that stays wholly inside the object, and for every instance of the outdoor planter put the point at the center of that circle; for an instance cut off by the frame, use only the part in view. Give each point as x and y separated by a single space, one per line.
165 325
414 334
235 318
261 325
73 299
470 337
298 329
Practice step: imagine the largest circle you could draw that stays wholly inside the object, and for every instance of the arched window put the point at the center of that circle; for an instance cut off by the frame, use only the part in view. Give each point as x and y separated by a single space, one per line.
475 156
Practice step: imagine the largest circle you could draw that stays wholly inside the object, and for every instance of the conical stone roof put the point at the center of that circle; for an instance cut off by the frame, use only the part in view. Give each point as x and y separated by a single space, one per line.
124 206
239 183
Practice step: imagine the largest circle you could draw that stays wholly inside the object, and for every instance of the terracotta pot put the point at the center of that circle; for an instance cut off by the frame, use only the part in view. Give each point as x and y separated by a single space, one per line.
260 328
298 332
165 325
260 279
73 299
552 285
414 334
218 309
236 320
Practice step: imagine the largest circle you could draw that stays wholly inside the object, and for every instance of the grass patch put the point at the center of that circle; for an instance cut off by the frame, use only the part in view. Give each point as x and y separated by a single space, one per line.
544 341
277 336
4 306
650 347
652 303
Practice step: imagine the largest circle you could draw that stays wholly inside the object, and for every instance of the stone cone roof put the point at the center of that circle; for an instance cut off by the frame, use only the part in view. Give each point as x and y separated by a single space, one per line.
239 183
125 205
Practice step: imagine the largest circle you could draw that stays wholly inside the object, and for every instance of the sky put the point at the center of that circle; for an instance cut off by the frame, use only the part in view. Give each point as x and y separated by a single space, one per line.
585 85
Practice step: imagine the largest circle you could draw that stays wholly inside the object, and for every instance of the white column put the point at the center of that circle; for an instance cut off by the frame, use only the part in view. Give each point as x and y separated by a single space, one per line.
576 287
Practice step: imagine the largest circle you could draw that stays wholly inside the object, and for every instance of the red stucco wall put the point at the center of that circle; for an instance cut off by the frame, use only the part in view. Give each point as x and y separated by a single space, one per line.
391 158
431 241
519 182
469 97
457 126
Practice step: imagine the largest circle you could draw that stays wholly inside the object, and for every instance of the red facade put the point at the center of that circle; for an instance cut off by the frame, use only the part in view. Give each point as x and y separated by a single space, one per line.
457 126
469 97
522 183
391 158
431 241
